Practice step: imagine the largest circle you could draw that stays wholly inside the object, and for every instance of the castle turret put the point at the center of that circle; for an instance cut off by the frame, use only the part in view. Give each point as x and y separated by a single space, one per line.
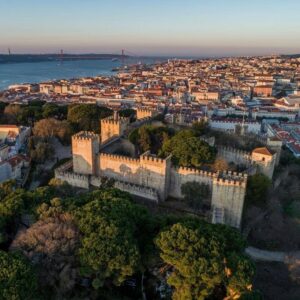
112 127
143 113
228 195
85 147
265 161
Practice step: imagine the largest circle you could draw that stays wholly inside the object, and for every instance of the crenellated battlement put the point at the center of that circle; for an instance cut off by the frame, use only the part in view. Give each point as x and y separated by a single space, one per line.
111 120
188 170
119 158
232 179
65 173
150 159
85 135
233 150
232 174
144 112
235 121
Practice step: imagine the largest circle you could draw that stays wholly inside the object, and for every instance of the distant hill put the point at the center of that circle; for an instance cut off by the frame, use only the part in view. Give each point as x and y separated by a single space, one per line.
25 58
291 55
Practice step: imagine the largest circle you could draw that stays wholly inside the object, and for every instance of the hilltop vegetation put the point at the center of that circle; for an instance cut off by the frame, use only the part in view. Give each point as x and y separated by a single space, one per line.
73 245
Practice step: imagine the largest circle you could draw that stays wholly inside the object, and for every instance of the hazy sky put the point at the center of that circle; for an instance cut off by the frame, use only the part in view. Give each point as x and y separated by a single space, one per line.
151 27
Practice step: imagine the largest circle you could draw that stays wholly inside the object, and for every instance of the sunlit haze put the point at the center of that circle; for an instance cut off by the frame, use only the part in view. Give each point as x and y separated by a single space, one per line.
169 27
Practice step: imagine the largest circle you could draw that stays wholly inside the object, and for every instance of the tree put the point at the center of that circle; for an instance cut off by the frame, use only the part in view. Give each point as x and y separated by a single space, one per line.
257 189
7 187
200 127
109 249
128 113
194 193
87 116
17 278
52 110
29 114
150 137
204 258
144 139
11 206
50 245
40 150
48 128
220 165
45 128
11 113
188 150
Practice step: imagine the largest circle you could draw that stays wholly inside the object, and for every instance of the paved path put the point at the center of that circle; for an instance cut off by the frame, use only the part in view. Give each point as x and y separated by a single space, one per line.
279 256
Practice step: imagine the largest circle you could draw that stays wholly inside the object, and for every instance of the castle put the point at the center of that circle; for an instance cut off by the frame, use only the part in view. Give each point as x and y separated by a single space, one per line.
154 178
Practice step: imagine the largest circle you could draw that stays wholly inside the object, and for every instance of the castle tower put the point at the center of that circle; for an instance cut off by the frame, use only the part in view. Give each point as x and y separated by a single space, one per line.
112 127
143 113
85 147
265 161
228 193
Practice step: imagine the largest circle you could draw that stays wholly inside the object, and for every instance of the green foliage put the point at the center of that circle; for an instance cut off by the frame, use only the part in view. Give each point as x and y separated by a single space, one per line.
194 193
257 189
150 137
188 150
7 187
17 278
109 248
2 106
102 235
11 207
253 295
201 256
128 113
52 110
87 116
200 128
134 136
39 149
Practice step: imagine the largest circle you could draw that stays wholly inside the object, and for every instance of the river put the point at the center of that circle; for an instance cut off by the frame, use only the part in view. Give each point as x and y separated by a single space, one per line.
36 72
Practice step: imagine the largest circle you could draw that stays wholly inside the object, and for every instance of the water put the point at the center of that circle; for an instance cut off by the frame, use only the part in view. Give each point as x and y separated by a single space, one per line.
44 71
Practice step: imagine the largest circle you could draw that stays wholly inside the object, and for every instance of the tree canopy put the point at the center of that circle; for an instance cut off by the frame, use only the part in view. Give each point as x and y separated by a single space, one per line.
101 239
87 116
109 249
257 189
188 150
150 137
17 278
204 258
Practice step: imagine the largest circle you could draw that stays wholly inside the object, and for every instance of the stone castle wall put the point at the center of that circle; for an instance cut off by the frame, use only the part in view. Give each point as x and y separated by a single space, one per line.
236 156
228 194
147 171
180 176
149 176
65 173
137 190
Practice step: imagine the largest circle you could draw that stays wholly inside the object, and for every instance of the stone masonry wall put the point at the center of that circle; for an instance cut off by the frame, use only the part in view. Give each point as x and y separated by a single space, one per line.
145 171
238 157
229 195
180 176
